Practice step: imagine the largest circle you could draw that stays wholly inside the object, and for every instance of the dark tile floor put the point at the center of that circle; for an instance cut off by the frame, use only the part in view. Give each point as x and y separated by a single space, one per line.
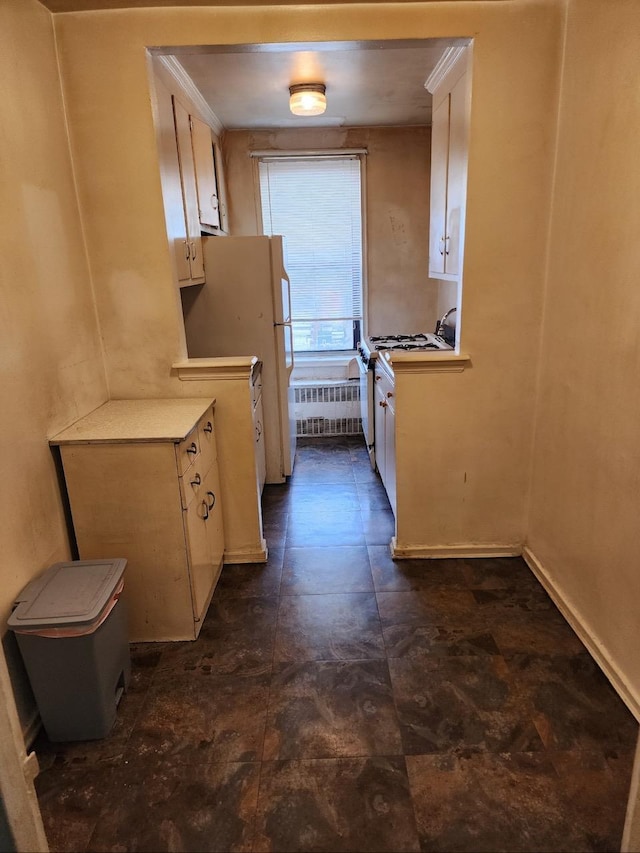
337 700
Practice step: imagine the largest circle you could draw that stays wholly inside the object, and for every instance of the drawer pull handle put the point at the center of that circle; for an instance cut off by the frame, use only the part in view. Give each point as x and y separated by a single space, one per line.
192 448
206 511
196 480
209 427
213 502
187 251
194 251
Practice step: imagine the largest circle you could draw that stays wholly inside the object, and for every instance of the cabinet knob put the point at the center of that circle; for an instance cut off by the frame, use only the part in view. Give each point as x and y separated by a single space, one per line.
192 448
383 403
196 480
378 378
389 393
213 502
208 427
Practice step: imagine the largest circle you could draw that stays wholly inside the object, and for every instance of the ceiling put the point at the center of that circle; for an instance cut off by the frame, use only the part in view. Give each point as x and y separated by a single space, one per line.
369 84
89 5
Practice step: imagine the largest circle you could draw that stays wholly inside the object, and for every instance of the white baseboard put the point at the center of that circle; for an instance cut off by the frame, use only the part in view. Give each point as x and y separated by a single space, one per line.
589 638
470 549
243 555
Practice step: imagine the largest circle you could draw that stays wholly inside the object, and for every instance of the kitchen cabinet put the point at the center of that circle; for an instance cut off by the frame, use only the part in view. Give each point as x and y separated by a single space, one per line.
193 248
236 383
209 178
385 430
143 483
258 425
449 154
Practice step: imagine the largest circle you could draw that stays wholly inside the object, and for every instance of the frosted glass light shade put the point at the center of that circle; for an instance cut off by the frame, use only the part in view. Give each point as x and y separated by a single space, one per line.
307 99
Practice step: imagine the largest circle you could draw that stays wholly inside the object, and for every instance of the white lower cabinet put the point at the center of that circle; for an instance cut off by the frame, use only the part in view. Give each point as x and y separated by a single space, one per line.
143 484
261 457
385 431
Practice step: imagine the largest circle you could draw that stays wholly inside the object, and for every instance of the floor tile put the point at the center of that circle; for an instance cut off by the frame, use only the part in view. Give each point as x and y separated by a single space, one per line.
379 526
452 703
274 529
325 570
201 720
325 528
71 799
420 641
438 606
236 638
207 807
341 805
251 580
325 709
574 704
323 497
314 471
285 725
371 494
487 802
337 626
391 575
499 573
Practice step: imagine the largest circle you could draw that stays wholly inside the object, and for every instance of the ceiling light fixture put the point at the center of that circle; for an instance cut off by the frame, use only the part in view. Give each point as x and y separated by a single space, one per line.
307 99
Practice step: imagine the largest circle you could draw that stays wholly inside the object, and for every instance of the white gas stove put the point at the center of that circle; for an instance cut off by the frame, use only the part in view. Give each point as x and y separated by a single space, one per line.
368 351
420 342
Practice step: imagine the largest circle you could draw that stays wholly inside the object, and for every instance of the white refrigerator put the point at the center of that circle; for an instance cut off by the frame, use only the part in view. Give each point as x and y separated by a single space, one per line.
244 308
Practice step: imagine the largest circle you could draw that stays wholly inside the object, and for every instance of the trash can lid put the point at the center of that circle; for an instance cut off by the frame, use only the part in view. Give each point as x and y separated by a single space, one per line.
73 593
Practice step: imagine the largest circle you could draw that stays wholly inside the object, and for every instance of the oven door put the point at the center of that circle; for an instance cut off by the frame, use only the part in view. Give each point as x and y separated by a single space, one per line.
366 408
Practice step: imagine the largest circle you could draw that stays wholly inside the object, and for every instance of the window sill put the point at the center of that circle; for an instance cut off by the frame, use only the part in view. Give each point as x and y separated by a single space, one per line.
328 366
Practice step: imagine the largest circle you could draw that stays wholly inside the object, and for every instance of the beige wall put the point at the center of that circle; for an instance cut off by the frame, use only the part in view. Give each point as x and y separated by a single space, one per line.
584 525
516 62
401 298
51 368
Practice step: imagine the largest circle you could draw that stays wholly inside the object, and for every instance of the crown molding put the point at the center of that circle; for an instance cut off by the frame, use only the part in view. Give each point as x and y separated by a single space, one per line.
175 68
446 62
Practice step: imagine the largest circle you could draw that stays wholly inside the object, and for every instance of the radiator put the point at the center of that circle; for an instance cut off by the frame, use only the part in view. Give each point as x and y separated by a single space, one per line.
331 408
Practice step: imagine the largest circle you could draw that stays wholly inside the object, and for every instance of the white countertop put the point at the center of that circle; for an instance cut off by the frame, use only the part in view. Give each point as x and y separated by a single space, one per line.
136 420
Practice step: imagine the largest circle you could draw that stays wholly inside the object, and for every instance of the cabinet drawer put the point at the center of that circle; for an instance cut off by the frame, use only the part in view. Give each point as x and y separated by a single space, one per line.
187 451
206 441
192 484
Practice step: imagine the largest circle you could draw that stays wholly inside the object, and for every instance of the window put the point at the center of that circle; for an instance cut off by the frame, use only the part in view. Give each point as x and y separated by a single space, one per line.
315 203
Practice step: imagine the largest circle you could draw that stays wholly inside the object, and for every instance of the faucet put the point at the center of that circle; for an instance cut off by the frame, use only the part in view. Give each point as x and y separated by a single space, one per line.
442 321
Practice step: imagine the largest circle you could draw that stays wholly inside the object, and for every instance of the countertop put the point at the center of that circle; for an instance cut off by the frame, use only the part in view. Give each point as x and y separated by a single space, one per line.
122 421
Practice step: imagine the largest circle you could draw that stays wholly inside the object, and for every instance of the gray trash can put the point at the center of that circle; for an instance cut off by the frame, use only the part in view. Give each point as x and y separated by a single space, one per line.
71 628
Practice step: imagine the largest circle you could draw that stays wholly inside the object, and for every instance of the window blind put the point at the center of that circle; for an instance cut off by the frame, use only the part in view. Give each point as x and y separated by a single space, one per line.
315 203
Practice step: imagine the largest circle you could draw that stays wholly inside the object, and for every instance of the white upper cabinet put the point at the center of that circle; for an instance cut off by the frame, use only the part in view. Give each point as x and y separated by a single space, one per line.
189 191
450 86
207 174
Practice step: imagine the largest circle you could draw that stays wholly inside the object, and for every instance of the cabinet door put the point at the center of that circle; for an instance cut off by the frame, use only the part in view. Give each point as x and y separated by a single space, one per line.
456 176
439 171
390 453
206 177
189 191
261 458
214 524
379 420
171 182
201 571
